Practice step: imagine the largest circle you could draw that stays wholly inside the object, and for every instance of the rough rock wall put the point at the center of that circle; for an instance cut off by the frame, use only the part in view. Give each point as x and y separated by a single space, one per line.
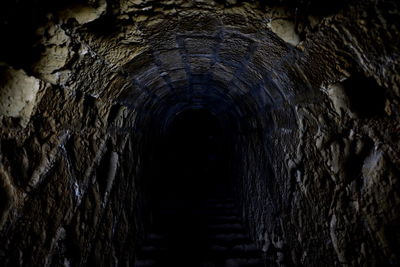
330 189
311 93
68 185
68 172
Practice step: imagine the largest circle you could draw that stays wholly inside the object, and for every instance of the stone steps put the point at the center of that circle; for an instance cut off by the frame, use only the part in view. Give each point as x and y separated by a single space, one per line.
208 234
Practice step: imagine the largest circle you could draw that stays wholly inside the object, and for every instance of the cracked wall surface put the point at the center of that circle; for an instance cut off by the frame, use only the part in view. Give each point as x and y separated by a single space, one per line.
308 95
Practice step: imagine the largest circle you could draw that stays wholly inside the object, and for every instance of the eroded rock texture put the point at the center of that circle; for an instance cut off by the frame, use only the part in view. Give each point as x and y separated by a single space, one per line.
307 94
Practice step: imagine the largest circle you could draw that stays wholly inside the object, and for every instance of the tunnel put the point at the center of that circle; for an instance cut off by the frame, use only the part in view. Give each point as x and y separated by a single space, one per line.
190 173
199 133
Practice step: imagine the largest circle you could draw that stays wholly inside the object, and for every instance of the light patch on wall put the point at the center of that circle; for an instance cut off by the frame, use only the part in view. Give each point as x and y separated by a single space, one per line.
55 55
285 29
17 94
339 99
85 13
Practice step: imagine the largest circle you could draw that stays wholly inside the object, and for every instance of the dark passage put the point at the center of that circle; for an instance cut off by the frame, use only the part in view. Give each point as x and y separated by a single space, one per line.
195 221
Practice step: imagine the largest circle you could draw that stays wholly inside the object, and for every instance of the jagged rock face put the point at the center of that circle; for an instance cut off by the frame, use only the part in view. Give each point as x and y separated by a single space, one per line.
307 95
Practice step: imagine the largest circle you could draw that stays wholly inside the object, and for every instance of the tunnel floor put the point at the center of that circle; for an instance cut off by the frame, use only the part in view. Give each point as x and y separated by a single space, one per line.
199 232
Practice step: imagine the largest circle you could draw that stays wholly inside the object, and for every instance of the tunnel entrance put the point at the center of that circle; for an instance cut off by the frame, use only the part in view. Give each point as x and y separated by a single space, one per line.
194 218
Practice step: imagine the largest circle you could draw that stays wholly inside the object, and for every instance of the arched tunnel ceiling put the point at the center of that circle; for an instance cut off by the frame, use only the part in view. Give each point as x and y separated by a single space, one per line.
208 63
227 60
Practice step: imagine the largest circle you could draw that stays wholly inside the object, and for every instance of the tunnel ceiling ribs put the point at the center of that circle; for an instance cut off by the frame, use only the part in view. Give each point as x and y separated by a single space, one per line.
198 65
